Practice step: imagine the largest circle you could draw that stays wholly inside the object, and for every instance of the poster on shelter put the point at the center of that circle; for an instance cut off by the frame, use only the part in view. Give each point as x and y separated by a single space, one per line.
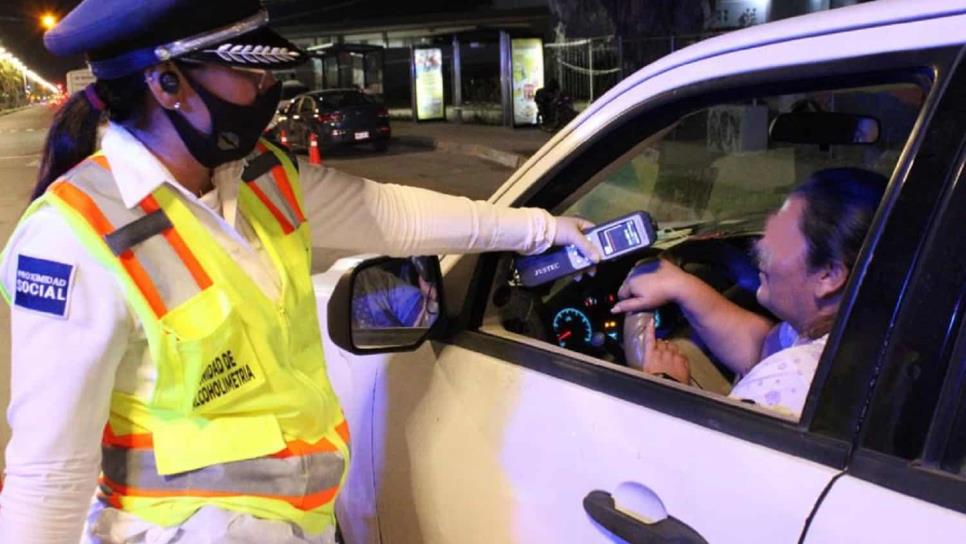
527 64
428 67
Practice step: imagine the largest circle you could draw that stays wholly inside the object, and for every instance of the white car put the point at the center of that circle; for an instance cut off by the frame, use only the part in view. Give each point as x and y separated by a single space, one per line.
519 422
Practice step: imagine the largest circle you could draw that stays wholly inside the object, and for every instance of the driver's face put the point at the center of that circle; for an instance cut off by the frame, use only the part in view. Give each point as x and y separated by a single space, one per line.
786 286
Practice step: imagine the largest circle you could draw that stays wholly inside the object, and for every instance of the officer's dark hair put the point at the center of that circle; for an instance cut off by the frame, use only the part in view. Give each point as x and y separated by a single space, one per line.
839 205
73 134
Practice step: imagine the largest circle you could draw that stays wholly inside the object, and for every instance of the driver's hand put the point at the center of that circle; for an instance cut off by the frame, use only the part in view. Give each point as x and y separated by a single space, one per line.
649 285
646 353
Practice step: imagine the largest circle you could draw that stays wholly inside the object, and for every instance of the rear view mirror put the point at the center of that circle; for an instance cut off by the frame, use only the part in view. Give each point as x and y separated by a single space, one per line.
386 305
824 128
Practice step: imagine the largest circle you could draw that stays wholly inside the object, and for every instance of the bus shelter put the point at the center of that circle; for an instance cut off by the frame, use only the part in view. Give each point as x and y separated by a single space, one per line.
348 66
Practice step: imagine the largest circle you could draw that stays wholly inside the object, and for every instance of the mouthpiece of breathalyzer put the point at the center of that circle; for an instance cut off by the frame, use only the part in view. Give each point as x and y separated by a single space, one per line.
634 330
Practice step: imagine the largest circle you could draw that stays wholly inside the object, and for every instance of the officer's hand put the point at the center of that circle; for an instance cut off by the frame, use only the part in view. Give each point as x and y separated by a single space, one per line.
646 353
570 230
650 284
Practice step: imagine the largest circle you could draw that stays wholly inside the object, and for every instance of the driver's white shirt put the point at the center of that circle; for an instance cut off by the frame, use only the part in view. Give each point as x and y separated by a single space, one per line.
65 368
781 380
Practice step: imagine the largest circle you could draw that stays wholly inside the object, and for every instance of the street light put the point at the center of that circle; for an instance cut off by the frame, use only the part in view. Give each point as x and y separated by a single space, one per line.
27 73
48 21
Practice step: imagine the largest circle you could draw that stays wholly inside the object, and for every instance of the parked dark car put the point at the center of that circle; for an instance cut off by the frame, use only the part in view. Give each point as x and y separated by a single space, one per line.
340 116
290 89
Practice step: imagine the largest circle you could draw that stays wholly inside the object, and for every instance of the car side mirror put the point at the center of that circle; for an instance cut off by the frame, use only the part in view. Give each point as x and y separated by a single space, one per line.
824 128
386 304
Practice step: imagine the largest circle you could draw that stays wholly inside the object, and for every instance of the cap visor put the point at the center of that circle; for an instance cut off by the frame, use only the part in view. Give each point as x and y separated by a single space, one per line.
261 48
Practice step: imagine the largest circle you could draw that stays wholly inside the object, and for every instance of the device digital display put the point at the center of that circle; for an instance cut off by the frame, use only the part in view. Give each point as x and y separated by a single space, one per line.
619 237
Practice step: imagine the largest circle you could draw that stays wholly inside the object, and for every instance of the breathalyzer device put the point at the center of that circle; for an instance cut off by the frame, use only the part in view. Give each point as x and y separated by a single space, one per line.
613 239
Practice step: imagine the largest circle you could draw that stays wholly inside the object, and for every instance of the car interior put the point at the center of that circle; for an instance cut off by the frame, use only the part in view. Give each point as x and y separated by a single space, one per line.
709 181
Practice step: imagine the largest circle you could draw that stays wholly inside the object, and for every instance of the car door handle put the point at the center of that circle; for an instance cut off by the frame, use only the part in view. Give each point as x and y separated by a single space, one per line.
600 506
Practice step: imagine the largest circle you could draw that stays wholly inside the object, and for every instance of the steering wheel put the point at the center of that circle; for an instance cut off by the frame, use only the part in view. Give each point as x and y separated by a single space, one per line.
721 263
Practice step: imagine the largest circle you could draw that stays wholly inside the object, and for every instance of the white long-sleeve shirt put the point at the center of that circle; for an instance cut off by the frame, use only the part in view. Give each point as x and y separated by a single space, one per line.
65 367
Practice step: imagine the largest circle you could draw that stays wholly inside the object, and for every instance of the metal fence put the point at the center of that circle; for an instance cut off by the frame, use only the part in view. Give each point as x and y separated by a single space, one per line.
587 68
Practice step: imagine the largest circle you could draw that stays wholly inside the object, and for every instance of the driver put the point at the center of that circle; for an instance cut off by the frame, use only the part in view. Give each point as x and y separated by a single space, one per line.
804 259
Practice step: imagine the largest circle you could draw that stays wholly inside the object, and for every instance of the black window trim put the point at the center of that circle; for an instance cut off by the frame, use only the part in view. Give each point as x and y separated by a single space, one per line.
952 400
919 67
924 477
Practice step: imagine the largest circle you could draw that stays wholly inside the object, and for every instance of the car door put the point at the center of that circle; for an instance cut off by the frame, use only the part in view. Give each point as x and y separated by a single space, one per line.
290 121
906 481
495 434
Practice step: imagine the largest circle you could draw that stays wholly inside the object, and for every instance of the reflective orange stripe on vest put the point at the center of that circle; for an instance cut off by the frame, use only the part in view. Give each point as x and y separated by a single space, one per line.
304 475
276 194
281 178
293 448
149 205
305 481
85 206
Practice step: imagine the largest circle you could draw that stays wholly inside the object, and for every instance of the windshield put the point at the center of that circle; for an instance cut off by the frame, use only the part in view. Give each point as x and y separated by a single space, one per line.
342 99
719 165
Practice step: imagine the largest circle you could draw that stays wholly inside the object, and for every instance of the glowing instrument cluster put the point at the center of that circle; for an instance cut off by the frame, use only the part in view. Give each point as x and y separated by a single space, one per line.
589 323
576 325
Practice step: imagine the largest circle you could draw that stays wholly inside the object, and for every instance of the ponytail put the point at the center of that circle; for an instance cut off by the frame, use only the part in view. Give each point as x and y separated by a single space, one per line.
73 133
71 139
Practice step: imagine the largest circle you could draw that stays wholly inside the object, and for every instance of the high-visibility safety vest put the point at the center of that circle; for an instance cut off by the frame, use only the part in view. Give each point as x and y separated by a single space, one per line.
242 416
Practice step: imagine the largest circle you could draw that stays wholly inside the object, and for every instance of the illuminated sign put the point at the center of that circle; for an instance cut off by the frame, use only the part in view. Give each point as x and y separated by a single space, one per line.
428 70
527 65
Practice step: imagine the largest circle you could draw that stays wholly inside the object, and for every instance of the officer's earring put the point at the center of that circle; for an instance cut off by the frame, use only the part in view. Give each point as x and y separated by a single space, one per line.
177 105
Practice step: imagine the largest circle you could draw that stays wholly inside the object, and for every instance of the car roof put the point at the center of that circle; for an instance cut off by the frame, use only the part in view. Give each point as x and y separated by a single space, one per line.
872 14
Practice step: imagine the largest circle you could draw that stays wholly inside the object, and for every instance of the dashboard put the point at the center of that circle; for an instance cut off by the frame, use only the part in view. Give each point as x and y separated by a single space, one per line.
576 314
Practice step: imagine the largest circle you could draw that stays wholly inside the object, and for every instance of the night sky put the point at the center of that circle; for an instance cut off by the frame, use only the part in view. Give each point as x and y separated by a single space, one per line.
20 31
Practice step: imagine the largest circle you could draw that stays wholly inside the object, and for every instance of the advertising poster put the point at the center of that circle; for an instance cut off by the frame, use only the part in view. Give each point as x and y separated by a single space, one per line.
428 66
527 63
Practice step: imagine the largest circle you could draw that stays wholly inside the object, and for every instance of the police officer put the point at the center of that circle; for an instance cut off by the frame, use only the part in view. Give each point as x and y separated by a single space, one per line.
163 319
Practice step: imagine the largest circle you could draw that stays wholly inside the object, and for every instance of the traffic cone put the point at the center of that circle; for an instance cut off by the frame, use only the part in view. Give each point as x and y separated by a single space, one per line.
282 137
315 157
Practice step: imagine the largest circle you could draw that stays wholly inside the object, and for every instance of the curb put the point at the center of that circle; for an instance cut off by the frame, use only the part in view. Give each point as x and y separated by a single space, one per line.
14 110
503 158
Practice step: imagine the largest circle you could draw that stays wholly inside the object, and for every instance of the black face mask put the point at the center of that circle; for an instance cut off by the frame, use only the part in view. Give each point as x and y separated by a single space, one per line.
234 129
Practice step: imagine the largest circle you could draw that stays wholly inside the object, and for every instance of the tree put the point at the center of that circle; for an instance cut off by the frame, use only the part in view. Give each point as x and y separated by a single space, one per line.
11 86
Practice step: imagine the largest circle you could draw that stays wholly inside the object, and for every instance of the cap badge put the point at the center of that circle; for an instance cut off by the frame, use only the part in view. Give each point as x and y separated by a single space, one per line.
254 54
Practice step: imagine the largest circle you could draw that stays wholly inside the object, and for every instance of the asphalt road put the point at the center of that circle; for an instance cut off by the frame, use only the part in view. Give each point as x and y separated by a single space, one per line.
22 135
436 170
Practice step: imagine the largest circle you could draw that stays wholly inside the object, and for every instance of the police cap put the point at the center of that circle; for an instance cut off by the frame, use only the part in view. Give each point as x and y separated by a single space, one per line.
120 37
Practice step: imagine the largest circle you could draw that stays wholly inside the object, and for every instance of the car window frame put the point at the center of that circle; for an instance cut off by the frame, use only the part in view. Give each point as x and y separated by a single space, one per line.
950 421
308 105
928 309
635 125
293 106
